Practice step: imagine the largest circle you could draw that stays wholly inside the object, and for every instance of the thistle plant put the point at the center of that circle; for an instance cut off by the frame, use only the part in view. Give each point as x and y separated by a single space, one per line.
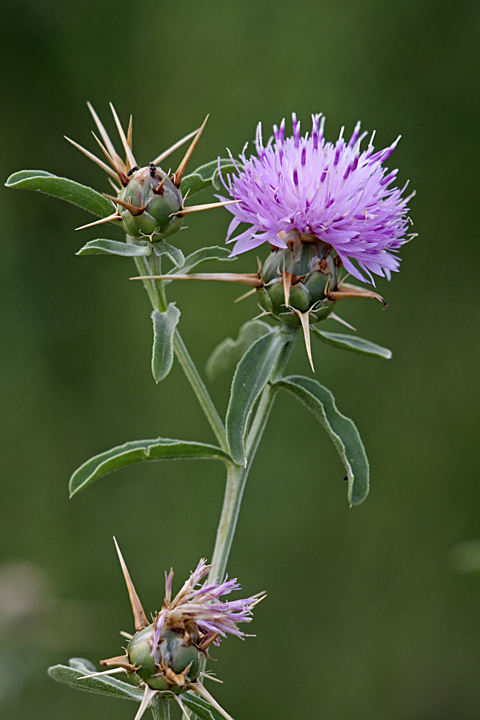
327 211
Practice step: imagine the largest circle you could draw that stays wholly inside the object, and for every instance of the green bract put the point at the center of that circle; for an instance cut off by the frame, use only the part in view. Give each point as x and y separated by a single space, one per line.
152 201
297 280
176 656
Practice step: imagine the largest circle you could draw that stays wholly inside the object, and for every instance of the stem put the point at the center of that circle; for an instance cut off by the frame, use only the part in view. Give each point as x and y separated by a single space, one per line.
156 292
151 286
237 475
200 391
160 707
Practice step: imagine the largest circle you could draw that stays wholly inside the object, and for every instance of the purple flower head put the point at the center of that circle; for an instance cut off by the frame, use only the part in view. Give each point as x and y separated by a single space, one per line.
334 192
198 607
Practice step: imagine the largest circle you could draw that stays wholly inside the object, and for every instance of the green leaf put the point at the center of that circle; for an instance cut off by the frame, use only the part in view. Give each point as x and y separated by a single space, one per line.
200 707
137 451
252 374
206 175
174 254
198 257
341 429
103 246
105 685
353 343
164 324
63 188
227 354
203 255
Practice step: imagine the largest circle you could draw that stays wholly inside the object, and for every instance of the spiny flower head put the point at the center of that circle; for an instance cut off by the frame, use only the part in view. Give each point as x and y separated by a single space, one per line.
164 656
334 192
149 201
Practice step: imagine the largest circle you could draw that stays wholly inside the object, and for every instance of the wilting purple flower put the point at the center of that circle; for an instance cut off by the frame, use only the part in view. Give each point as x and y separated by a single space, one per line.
201 605
334 192
164 657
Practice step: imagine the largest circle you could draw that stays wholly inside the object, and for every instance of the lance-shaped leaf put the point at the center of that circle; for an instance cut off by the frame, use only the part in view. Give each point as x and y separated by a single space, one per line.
204 255
252 374
103 685
173 253
205 176
227 354
341 429
103 246
137 451
164 324
200 708
85 197
353 343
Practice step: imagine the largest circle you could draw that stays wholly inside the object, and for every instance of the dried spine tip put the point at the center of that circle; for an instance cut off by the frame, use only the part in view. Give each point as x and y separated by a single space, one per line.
178 175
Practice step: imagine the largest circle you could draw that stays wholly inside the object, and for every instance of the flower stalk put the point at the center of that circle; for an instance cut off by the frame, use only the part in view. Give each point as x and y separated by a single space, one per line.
237 475
156 292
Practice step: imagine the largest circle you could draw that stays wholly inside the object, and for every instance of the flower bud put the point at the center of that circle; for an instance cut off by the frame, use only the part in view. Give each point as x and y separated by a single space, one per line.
157 199
174 664
299 279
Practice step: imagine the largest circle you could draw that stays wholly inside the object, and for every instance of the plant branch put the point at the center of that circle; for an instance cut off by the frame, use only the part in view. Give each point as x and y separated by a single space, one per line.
237 475
156 292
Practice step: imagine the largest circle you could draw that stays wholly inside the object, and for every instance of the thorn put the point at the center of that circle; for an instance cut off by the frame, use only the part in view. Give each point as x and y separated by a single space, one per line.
208 641
113 671
106 139
264 313
210 676
116 163
148 696
178 175
245 279
130 133
139 616
182 706
345 290
115 187
121 661
174 147
92 157
130 160
124 634
203 692
305 320
174 678
110 218
245 295
132 209
168 586
208 206
287 279
158 190
334 316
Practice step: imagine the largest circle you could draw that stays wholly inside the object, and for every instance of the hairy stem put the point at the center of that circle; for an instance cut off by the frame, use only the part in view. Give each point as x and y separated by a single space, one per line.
160 707
156 292
200 391
237 475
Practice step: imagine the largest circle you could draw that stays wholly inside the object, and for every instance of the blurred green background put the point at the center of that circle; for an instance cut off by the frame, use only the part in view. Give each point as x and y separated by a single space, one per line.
367 613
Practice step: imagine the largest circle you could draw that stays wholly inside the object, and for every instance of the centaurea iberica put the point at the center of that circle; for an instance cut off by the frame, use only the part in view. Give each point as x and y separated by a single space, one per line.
331 192
164 655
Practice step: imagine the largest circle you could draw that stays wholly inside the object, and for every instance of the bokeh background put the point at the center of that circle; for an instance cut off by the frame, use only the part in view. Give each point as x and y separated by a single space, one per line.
372 612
